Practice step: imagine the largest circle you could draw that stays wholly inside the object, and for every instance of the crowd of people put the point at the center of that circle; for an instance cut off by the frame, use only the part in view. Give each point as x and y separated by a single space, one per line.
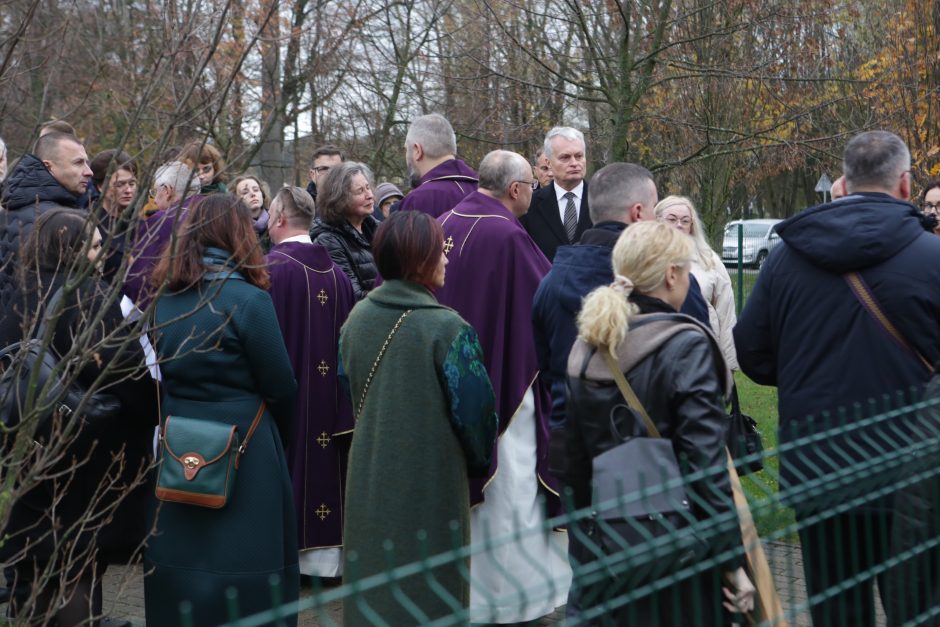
417 372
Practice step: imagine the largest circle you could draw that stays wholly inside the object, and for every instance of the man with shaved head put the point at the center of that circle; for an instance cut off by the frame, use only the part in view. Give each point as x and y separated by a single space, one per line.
56 174
493 270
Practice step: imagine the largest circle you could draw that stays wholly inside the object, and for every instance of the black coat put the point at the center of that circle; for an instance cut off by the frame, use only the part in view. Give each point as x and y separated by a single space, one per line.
351 251
115 451
682 385
804 331
29 190
543 220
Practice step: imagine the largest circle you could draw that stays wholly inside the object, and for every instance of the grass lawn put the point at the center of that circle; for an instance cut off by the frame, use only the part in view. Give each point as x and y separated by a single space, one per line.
760 402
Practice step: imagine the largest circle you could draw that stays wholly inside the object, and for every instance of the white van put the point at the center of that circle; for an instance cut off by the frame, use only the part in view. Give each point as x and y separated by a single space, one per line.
759 240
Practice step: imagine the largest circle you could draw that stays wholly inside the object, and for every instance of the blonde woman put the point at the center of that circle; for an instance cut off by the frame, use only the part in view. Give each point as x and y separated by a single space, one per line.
679 379
709 271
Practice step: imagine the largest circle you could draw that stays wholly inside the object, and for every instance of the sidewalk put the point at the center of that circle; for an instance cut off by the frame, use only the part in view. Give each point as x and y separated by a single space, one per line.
124 592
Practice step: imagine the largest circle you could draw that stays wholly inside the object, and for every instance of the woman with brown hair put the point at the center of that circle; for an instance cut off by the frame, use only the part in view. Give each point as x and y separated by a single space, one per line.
209 165
86 504
222 358
425 424
345 226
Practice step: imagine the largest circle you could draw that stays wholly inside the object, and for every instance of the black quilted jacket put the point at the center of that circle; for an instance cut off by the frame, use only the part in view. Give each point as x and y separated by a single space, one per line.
351 251
29 190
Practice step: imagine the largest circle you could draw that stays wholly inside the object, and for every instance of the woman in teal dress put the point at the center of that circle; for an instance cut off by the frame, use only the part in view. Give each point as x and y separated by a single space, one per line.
425 423
222 355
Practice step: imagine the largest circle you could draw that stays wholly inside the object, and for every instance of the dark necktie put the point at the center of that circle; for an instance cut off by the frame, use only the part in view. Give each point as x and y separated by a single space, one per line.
571 217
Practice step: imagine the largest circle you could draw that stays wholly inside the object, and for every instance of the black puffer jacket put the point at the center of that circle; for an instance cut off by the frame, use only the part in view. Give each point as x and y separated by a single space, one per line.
29 190
351 251
681 383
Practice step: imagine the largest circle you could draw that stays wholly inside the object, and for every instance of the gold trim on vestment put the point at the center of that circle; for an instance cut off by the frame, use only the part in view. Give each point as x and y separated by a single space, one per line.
344 432
514 414
302 263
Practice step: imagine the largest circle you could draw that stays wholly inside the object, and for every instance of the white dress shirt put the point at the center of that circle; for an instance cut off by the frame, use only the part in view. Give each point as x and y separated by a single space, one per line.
563 202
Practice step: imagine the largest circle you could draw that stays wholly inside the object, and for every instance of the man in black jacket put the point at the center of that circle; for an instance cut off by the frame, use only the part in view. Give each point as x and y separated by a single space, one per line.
559 212
806 331
56 174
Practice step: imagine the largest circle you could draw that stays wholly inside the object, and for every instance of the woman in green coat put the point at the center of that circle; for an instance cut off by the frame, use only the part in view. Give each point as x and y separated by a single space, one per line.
425 423
222 356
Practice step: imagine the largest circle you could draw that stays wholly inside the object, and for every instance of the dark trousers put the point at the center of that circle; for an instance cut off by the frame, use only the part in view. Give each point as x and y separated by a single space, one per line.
840 548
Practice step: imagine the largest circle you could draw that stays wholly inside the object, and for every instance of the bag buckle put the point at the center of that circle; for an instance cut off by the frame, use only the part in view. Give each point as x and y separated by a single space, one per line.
64 410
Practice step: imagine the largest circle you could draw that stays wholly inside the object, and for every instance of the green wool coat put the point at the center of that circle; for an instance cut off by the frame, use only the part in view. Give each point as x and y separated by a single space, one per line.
222 353
427 423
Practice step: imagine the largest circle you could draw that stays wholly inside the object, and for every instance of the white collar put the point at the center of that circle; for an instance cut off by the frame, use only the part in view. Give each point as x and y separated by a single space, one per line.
560 191
303 238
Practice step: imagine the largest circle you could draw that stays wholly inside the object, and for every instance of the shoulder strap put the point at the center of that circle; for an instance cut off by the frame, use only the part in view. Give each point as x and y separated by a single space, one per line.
870 304
375 364
628 394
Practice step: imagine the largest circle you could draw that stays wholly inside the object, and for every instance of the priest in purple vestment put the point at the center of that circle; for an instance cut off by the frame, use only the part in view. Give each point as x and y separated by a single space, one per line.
494 270
444 180
175 189
312 297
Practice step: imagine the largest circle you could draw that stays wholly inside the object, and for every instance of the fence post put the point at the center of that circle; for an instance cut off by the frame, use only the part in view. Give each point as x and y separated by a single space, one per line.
740 267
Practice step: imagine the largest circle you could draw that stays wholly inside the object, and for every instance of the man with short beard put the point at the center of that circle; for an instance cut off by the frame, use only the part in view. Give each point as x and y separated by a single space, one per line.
443 179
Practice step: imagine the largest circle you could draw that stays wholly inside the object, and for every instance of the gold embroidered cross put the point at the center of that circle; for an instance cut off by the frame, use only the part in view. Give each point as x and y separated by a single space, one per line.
322 297
323 440
323 368
323 511
448 245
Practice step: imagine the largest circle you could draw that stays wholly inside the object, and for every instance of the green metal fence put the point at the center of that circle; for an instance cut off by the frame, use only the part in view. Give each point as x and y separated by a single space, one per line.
877 464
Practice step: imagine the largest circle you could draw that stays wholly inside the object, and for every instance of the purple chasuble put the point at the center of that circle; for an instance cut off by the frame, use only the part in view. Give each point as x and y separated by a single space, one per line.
441 188
493 270
312 298
153 236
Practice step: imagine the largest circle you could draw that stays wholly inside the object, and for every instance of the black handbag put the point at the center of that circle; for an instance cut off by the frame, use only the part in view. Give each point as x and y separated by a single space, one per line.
743 438
29 366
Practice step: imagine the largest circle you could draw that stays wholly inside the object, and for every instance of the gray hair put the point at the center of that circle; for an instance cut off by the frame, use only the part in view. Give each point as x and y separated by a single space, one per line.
177 176
3 153
618 186
296 205
434 133
875 159
500 168
333 198
561 131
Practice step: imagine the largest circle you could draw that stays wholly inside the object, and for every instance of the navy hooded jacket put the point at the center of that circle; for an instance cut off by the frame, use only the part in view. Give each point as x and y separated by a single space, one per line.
804 331
29 190
576 271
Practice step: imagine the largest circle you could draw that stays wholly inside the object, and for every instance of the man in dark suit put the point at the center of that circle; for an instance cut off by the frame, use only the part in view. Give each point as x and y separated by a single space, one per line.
559 212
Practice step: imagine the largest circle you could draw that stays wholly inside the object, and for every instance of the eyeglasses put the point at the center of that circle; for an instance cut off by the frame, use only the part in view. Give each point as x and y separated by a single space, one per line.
931 207
677 220
154 191
320 169
530 184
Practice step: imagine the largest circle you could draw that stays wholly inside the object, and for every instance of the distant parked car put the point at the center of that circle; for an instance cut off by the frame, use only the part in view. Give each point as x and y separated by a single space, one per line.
759 240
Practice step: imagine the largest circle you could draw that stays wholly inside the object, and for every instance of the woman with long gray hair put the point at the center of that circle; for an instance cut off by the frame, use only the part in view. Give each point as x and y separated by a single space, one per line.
345 226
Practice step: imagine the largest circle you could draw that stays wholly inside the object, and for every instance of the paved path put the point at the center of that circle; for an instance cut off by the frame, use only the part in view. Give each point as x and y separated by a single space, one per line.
124 593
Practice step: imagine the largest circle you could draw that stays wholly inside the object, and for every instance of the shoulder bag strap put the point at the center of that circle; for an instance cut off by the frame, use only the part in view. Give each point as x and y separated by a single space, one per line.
628 394
375 364
865 296
251 431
